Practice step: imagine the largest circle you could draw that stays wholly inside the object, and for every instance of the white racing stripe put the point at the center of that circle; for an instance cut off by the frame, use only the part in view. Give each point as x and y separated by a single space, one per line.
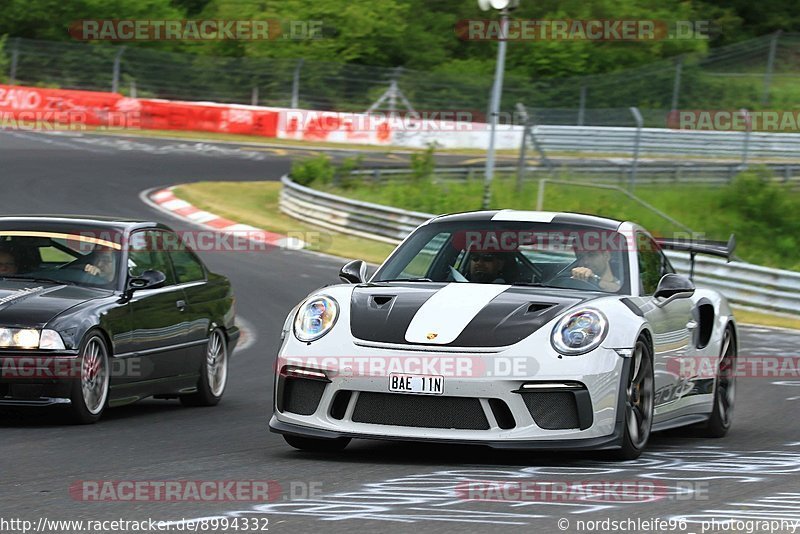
449 311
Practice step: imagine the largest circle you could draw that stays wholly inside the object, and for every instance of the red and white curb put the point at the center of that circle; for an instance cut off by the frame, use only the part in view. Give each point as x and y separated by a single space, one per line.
165 200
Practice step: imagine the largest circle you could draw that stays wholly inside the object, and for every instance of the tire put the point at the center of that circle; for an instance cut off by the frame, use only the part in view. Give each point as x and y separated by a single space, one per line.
639 401
724 390
213 374
316 445
89 394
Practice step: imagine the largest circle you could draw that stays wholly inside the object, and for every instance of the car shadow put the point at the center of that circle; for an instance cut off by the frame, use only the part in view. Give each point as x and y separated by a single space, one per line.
417 453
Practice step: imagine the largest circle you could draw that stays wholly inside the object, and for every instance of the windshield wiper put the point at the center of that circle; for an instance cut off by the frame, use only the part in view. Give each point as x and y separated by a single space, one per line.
39 279
406 280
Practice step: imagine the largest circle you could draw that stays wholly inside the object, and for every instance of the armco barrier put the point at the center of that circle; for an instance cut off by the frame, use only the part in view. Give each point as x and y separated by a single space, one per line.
747 285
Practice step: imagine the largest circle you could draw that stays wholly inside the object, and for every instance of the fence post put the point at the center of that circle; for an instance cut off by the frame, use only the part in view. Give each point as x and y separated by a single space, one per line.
540 195
582 106
676 88
773 46
296 85
254 96
132 91
115 76
523 114
12 75
639 122
748 129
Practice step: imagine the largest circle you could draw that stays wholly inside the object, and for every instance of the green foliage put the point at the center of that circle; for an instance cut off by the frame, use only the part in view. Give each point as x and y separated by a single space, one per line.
344 172
767 217
764 215
319 170
3 59
423 163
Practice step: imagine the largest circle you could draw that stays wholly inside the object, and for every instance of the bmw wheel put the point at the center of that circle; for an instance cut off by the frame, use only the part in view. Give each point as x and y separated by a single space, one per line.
213 375
89 395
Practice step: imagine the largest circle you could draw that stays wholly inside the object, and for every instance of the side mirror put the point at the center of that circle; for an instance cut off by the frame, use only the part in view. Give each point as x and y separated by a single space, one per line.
673 286
354 272
149 279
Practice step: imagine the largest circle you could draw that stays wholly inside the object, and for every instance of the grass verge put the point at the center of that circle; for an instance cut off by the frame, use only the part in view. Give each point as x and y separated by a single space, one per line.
256 204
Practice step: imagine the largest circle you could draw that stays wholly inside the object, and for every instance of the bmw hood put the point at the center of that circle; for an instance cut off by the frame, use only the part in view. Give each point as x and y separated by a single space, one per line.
455 314
33 304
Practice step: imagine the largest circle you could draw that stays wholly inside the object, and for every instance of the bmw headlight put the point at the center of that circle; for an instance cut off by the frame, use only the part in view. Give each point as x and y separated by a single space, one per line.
30 338
580 332
315 317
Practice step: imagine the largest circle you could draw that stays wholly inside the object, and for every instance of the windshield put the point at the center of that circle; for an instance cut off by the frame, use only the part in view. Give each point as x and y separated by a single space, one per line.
511 252
59 257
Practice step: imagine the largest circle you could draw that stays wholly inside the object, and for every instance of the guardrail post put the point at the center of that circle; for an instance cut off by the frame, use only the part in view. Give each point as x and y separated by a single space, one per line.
296 85
115 75
12 75
639 123
132 89
582 105
254 96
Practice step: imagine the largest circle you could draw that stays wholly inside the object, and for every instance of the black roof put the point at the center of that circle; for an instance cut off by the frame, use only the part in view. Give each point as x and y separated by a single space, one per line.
558 218
74 222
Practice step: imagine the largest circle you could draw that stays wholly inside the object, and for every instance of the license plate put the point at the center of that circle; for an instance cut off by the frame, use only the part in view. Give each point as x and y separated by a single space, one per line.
425 384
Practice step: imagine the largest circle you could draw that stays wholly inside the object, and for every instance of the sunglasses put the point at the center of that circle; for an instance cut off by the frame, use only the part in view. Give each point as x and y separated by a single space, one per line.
483 257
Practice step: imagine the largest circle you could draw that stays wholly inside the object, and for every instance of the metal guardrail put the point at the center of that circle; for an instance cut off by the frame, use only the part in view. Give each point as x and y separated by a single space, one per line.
747 285
668 142
616 170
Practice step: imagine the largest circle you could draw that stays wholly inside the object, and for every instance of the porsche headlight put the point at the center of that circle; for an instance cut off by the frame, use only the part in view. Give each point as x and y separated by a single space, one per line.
315 318
30 338
580 332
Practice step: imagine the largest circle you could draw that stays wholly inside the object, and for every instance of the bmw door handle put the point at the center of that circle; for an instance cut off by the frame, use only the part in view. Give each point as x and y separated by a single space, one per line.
180 304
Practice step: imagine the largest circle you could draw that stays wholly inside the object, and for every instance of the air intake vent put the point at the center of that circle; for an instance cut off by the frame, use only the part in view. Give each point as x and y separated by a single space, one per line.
301 396
420 411
560 406
382 300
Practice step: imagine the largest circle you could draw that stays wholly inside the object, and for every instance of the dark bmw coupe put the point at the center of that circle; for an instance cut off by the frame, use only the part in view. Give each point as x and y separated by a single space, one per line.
98 312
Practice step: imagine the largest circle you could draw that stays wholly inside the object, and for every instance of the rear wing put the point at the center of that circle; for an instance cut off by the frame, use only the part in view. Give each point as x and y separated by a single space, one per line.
700 246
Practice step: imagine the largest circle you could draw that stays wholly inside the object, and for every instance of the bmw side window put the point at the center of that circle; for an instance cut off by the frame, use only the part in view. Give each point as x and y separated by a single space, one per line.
188 267
651 264
147 253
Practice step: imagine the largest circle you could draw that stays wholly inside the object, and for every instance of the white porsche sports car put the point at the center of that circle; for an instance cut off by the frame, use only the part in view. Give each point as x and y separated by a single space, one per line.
511 329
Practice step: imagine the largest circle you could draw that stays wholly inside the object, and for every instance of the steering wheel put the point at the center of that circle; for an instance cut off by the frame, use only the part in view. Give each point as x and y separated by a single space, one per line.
566 280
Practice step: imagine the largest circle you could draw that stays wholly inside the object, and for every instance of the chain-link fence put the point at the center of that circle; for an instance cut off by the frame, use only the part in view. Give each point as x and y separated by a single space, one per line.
760 73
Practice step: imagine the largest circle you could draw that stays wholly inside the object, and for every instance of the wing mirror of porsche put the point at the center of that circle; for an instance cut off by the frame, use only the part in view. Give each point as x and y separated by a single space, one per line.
149 279
354 272
673 286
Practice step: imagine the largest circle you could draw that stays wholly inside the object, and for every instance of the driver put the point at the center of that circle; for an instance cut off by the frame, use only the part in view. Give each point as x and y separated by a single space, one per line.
486 267
102 265
8 263
594 266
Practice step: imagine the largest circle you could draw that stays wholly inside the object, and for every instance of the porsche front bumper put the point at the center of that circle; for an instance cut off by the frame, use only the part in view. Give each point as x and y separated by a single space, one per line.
562 402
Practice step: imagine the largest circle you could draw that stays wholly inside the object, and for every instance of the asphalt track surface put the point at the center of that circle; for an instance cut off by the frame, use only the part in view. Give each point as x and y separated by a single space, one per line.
751 474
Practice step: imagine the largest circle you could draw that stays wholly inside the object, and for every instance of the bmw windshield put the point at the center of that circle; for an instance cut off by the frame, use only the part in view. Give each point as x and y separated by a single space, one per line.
60 257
